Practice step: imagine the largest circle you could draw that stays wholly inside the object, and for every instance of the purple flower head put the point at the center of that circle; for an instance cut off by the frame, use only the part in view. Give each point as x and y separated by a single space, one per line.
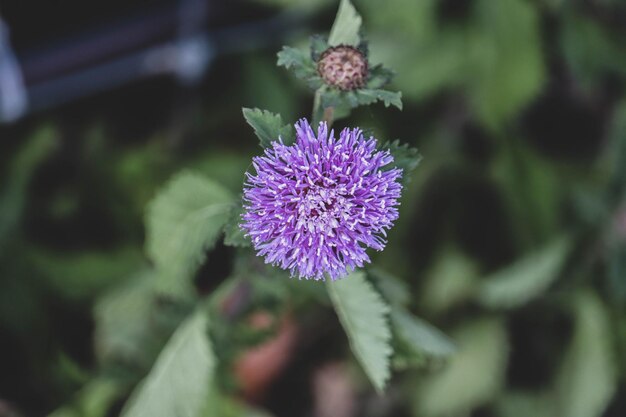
316 206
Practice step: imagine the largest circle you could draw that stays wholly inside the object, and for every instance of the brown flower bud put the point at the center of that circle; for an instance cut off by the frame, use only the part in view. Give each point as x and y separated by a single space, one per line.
344 67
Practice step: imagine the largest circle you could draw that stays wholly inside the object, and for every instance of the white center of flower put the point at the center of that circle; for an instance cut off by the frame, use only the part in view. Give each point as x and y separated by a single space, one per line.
321 209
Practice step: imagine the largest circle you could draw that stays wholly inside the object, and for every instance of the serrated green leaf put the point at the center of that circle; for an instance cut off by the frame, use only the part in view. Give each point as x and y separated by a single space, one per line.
525 279
363 315
234 235
379 77
179 381
343 101
587 378
268 127
366 96
472 376
299 62
184 221
421 336
404 157
345 30
319 44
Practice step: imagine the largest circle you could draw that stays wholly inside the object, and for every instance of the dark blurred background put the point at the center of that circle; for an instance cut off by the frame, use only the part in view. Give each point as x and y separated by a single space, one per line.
516 105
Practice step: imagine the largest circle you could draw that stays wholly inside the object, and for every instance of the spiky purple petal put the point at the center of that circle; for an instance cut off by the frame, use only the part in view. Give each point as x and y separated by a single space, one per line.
313 208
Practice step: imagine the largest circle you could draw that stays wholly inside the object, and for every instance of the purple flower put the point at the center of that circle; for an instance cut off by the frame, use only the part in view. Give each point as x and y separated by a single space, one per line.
316 206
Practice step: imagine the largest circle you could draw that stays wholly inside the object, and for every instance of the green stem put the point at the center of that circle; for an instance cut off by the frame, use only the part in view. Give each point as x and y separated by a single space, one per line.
320 113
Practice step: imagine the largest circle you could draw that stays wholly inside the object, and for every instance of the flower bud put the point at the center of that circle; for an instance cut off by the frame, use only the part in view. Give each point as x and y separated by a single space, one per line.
344 67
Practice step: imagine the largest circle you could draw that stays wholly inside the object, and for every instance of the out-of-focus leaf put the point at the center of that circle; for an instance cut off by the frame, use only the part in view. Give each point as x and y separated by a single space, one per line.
184 221
523 404
404 157
591 49
587 378
345 30
442 63
615 155
21 170
363 315
305 5
415 21
179 381
269 127
532 190
472 376
451 280
222 406
395 291
507 58
420 335
265 86
525 279
94 400
85 274
225 168
123 321
233 233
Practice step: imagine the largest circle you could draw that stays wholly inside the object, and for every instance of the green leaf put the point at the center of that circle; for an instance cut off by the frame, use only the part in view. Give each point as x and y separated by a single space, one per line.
591 48
19 173
345 30
234 235
422 337
343 101
94 400
505 53
268 127
179 381
301 64
319 44
450 281
123 321
379 76
368 96
394 290
84 274
525 279
223 405
524 404
587 378
184 221
404 157
472 377
363 315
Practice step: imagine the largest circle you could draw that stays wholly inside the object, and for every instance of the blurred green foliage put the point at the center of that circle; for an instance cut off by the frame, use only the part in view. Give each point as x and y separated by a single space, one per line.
511 238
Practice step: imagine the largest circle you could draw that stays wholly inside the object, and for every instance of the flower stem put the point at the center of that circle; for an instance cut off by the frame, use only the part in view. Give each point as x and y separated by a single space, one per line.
319 113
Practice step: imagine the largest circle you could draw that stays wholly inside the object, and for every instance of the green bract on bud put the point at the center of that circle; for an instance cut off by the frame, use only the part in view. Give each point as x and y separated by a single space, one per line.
344 67
337 67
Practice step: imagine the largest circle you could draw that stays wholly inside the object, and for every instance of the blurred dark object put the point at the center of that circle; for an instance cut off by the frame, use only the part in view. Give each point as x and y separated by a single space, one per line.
167 38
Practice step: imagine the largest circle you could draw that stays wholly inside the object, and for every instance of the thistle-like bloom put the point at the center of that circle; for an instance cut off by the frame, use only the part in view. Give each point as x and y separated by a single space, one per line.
315 207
